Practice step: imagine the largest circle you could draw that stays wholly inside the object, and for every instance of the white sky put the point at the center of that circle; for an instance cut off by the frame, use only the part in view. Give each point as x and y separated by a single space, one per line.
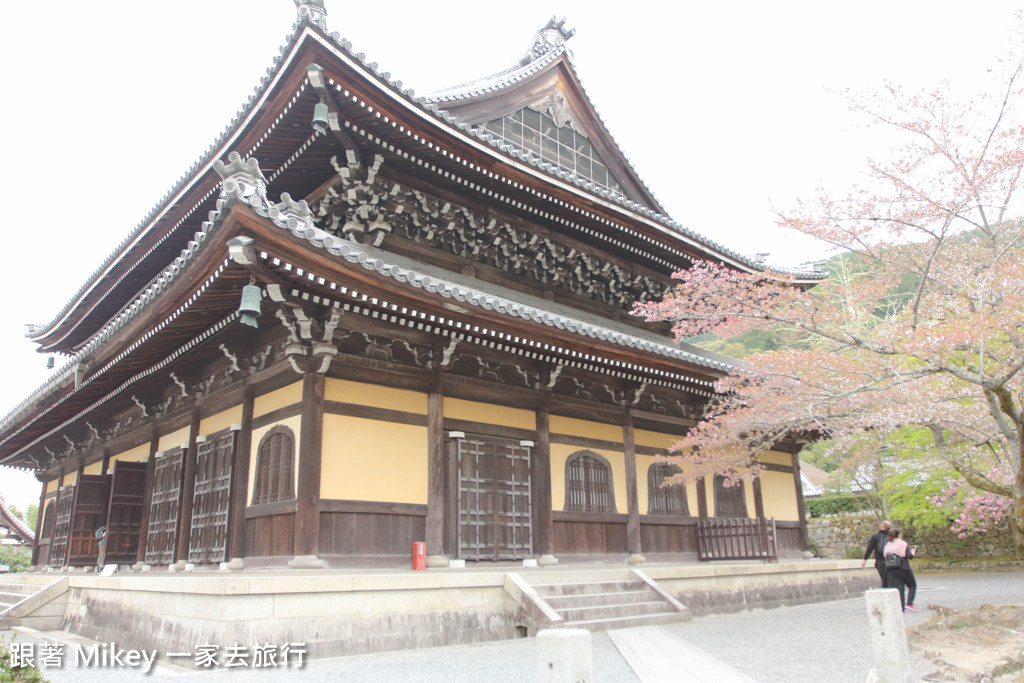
725 109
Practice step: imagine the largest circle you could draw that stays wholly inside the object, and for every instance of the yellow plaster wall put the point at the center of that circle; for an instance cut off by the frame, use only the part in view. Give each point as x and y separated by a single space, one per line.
592 430
53 485
779 495
222 420
560 454
70 478
709 491
376 396
285 396
776 458
748 492
173 440
643 437
373 460
491 414
94 468
292 423
643 496
132 455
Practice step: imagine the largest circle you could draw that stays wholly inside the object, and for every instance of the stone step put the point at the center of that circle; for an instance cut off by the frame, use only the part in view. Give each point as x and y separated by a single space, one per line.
567 601
595 575
600 612
654 619
547 590
22 588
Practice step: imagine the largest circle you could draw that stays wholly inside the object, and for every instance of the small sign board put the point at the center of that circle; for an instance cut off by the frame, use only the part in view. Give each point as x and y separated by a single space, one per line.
108 569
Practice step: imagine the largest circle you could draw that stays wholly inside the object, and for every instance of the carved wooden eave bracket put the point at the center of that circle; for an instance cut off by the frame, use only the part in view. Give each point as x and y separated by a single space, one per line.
310 348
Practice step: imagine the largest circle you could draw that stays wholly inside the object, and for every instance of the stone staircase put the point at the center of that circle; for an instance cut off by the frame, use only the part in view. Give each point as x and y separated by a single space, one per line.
31 603
597 600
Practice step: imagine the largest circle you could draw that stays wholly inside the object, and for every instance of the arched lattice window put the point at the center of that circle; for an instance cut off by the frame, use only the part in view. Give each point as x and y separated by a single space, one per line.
588 483
49 520
665 500
275 478
730 501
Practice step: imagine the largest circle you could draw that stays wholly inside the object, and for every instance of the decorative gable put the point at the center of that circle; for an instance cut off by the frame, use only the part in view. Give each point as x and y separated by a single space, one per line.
548 129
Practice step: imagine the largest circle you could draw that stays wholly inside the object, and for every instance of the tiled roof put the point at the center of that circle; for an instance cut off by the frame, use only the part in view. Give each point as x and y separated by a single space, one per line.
429 104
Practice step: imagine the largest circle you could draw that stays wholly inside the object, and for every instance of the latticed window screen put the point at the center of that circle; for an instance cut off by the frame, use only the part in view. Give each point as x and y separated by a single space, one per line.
730 501
533 131
588 484
665 500
275 479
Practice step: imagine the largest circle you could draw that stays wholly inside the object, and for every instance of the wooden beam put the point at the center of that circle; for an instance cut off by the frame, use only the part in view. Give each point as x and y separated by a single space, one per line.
633 541
541 474
436 506
188 488
801 513
702 498
311 438
154 444
240 474
758 499
39 523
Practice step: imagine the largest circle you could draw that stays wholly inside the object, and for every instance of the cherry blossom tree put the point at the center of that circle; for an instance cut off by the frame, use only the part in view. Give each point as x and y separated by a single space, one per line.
921 321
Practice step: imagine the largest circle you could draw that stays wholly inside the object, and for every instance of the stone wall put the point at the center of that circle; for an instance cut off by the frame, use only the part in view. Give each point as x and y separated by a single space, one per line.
846 536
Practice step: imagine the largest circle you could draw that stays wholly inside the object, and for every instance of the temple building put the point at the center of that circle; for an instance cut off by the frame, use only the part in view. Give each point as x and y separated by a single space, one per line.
366 318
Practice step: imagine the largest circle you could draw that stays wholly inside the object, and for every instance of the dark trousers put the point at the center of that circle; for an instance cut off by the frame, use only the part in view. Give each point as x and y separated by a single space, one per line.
880 568
903 579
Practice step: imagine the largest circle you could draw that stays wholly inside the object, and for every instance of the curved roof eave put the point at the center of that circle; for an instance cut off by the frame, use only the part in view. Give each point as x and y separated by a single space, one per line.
429 111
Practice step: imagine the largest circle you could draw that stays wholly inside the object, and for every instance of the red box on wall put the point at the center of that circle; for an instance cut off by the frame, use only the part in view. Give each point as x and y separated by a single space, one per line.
419 555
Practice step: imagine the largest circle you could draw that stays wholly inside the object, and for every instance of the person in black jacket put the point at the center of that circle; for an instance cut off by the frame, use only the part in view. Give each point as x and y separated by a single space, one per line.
876 544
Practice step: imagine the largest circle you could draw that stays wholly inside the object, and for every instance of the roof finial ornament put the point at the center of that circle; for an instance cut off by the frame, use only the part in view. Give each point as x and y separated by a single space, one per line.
551 37
312 11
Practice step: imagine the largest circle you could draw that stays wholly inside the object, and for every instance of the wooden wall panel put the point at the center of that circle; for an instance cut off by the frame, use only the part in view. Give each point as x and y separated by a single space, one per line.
370 533
270 536
589 538
669 538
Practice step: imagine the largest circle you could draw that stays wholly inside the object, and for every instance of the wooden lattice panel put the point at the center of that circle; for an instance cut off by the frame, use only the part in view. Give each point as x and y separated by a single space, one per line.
163 509
495 515
127 495
212 500
62 528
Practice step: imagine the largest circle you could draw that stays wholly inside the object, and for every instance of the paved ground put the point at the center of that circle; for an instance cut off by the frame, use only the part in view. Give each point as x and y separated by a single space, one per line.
820 642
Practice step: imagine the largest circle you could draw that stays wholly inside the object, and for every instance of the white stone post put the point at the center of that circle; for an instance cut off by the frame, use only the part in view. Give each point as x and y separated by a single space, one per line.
563 656
888 636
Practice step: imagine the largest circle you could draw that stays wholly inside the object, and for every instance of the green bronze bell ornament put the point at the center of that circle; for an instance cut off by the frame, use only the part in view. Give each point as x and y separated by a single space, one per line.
320 117
250 306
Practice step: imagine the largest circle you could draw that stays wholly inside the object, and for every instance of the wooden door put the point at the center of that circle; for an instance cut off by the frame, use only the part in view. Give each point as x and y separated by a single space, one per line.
46 534
62 527
89 513
212 499
495 518
127 494
164 506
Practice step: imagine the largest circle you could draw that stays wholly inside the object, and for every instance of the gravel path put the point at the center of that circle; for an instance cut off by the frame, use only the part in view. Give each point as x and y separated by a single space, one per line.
820 642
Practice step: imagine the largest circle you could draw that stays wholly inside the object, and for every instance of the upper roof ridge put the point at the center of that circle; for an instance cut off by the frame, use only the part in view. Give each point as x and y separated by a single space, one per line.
552 36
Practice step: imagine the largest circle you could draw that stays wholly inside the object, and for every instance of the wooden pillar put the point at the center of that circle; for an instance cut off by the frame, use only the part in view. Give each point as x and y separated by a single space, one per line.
540 472
758 498
39 523
240 481
805 542
105 466
435 480
188 488
147 499
702 498
633 543
311 439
